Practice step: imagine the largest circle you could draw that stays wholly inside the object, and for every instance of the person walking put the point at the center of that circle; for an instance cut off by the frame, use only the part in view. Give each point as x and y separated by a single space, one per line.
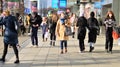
34 25
109 24
81 24
44 26
53 24
93 30
73 21
60 31
10 34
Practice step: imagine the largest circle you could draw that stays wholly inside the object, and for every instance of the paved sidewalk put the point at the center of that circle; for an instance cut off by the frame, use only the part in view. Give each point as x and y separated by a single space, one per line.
49 56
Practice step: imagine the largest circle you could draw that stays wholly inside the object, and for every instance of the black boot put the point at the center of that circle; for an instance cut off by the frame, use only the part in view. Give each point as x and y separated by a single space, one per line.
2 59
50 42
53 43
17 62
91 49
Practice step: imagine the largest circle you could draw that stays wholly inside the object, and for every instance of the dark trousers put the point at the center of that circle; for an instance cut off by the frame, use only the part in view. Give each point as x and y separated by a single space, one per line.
6 50
43 36
52 36
63 43
34 37
22 28
81 44
109 39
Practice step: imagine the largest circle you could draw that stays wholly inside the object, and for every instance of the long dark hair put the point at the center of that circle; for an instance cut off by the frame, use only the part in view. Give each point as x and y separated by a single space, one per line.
108 17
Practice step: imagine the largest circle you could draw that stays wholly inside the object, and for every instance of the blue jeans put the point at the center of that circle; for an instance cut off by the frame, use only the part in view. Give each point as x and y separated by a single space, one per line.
63 42
34 37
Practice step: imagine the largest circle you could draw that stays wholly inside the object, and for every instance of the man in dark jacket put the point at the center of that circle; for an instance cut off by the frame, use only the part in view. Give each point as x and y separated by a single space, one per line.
35 23
93 30
81 24
10 34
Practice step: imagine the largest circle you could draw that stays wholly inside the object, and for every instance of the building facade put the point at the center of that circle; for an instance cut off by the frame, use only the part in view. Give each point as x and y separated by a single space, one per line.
113 5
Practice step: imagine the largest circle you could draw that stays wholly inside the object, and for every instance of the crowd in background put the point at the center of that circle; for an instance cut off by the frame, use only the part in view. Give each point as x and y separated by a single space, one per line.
59 26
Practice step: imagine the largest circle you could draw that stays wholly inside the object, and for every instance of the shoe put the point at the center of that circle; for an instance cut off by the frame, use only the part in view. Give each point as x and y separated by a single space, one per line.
110 51
1 59
53 43
17 62
107 51
50 42
82 51
65 50
91 49
61 52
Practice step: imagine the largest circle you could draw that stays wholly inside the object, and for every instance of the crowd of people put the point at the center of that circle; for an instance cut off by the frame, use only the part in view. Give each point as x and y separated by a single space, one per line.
57 26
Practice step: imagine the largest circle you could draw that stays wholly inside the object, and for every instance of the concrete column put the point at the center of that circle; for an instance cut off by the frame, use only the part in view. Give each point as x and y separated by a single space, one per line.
81 9
116 8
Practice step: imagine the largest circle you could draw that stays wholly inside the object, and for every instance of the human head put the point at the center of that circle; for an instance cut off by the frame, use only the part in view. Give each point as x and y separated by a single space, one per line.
44 19
54 17
62 15
110 14
92 14
34 14
6 12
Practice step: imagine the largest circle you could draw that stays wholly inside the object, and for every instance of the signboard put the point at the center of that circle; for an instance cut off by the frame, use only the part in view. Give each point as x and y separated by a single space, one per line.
54 3
84 0
34 6
96 0
62 3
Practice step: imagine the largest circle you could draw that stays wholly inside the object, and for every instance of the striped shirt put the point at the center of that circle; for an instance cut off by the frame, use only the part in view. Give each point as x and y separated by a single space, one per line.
109 23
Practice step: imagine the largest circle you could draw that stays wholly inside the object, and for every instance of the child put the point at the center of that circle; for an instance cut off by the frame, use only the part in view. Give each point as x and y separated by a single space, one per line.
44 26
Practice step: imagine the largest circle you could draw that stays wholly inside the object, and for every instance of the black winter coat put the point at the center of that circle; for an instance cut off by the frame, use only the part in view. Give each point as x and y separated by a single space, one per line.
93 29
53 27
81 24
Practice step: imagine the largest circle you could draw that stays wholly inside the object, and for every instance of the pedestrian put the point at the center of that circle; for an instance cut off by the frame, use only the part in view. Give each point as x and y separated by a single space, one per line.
21 23
81 24
34 25
60 31
109 22
10 34
53 24
44 26
93 30
27 20
73 21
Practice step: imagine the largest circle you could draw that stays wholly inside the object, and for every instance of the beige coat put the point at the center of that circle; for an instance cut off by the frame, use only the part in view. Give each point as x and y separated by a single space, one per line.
60 29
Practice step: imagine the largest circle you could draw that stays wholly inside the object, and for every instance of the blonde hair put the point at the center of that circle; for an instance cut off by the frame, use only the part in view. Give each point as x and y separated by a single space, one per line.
7 12
54 17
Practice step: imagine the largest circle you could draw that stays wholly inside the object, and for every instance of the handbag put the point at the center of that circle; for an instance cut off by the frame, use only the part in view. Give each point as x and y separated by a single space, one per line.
68 31
115 35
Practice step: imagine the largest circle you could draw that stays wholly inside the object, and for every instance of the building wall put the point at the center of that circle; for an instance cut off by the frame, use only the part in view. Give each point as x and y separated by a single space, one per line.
116 10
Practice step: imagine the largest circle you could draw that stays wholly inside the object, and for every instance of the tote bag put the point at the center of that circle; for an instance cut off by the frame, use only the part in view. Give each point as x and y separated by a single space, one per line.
68 31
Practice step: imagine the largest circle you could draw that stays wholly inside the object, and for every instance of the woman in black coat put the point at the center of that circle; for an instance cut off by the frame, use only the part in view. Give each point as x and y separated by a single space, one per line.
81 24
109 22
53 24
10 34
93 30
